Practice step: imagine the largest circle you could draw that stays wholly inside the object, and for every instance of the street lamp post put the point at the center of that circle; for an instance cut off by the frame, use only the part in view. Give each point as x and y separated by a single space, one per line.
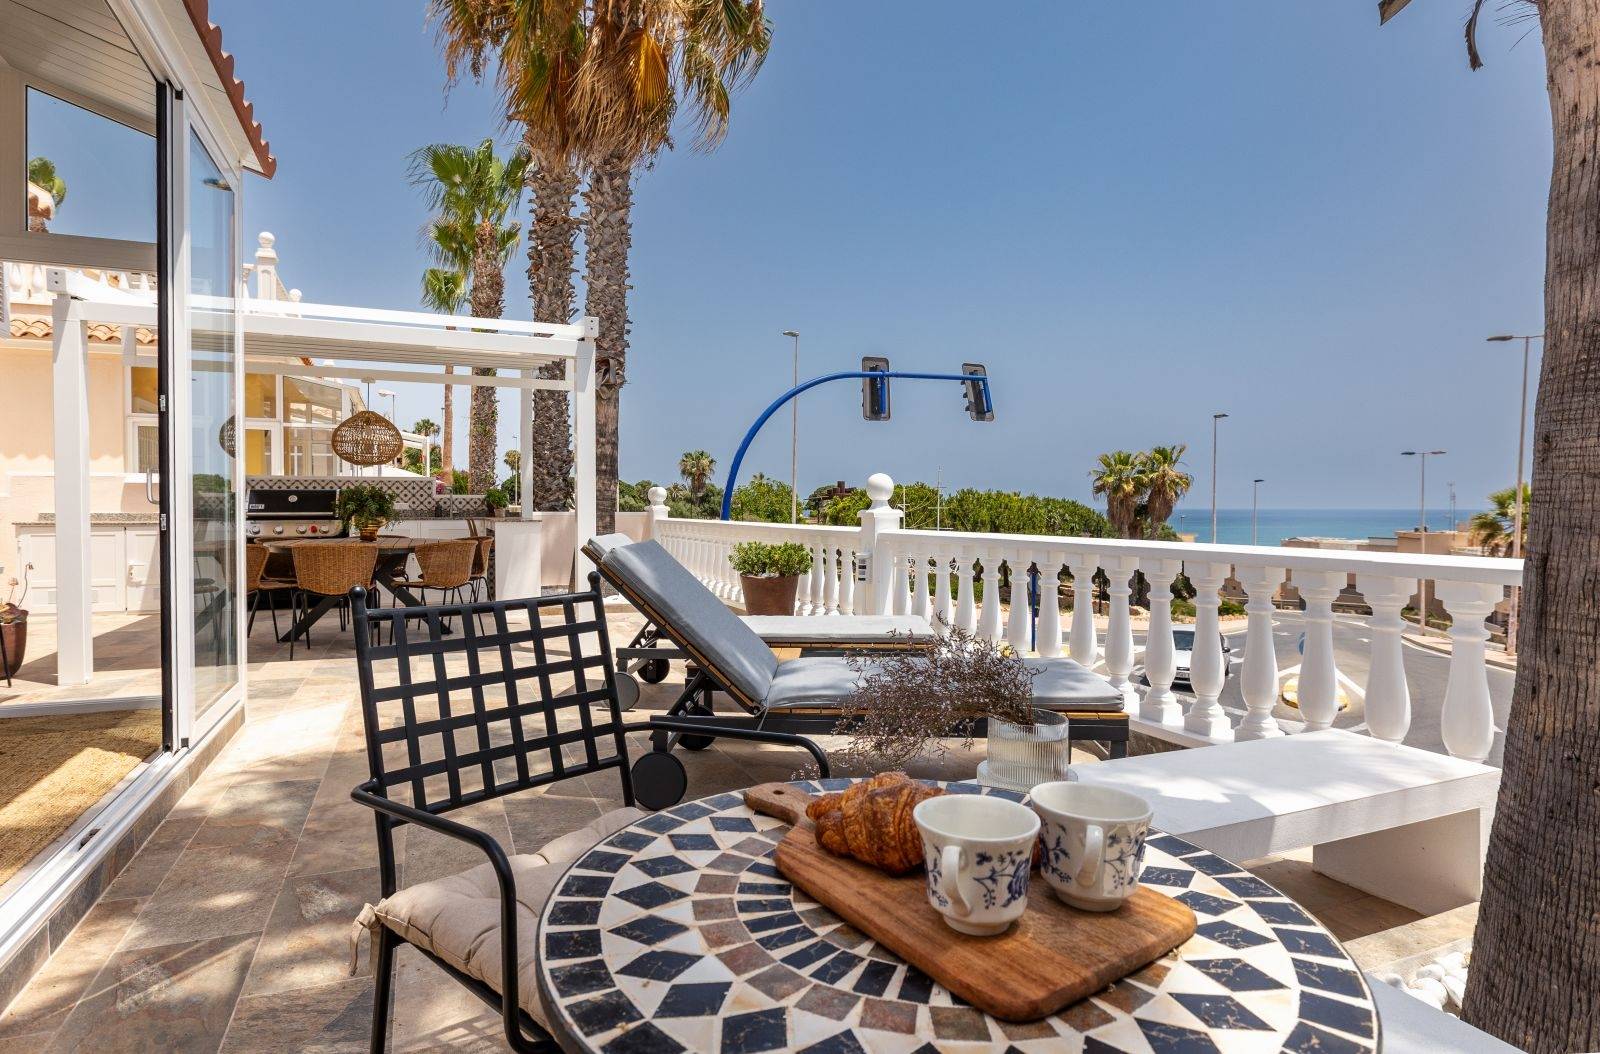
1422 528
794 435
1214 419
1255 504
1516 527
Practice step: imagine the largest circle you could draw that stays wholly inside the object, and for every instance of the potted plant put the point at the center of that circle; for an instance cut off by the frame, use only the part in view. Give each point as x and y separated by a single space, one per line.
770 575
366 508
14 627
497 500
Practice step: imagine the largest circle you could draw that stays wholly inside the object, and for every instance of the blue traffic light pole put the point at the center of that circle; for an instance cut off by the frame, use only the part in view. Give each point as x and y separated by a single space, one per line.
847 375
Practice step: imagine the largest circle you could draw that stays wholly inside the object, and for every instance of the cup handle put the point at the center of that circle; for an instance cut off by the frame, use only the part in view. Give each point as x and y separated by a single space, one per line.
1094 851
950 868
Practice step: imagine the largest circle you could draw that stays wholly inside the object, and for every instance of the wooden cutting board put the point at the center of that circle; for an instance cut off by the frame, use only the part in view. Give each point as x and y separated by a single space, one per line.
1052 957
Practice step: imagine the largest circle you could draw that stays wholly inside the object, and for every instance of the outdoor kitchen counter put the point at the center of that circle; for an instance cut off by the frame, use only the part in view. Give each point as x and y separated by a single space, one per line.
48 519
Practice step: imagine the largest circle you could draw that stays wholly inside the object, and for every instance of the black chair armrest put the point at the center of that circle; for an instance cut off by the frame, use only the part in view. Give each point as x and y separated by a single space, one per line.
673 724
366 794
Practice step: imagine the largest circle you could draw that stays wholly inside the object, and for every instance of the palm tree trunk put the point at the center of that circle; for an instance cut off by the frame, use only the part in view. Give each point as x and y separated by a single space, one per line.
552 232
447 431
488 301
1535 977
608 200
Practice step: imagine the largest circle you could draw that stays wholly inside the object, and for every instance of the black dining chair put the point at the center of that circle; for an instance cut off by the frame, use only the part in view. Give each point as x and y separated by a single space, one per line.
535 704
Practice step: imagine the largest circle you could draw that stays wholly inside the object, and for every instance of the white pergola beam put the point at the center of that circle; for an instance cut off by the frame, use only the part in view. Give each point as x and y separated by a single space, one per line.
583 451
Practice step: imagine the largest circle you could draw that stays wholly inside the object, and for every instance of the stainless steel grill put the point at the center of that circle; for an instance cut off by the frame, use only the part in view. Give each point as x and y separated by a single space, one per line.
304 512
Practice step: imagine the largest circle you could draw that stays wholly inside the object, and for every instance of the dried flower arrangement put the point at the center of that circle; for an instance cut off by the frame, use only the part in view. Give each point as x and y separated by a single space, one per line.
907 701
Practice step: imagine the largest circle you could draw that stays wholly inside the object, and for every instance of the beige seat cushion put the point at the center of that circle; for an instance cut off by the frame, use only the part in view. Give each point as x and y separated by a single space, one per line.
458 918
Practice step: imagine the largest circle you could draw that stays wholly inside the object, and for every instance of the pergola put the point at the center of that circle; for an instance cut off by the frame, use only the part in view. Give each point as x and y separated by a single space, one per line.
302 340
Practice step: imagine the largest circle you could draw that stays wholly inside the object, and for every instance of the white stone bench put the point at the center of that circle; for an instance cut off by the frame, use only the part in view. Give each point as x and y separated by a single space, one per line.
1403 824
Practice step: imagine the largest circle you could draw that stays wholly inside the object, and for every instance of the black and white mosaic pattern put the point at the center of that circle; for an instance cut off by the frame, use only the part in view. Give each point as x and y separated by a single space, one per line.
679 934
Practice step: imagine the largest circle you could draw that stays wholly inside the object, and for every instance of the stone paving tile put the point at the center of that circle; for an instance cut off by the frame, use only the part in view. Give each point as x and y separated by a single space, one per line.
333 1018
172 997
307 940
44 1005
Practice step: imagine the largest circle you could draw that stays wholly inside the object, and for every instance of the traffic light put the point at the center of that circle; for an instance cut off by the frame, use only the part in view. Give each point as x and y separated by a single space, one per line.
979 407
875 390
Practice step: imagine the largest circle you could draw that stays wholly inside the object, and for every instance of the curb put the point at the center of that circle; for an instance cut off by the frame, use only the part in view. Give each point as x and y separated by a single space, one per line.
1496 659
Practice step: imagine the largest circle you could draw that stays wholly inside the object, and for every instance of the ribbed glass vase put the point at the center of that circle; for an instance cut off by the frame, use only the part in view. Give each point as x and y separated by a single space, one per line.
1023 757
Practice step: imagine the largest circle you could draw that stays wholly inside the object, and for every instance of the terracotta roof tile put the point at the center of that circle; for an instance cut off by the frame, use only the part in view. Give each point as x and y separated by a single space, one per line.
211 36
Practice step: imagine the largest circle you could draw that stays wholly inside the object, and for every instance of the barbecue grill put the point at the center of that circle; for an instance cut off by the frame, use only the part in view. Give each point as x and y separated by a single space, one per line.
301 512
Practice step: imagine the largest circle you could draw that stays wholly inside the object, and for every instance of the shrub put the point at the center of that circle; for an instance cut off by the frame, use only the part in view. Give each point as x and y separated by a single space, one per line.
496 498
760 558
363 503
762 500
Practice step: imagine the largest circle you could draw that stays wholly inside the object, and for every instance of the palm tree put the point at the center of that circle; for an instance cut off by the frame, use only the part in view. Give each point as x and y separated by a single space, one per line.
1535 948
42 174
472 191
696 468
444 289
1165 484
1493 530
598 85
1120 479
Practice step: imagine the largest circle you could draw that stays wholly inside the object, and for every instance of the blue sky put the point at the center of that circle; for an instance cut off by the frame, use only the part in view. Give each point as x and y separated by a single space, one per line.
1135 216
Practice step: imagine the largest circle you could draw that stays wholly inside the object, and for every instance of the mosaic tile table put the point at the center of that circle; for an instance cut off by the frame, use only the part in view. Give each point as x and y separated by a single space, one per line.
678 933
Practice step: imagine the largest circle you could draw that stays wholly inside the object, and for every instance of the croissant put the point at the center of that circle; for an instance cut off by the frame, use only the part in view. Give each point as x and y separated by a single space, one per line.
871 822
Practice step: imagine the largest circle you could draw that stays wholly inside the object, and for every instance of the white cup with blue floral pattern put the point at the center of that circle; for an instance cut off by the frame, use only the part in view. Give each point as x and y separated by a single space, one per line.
979 853
1092 842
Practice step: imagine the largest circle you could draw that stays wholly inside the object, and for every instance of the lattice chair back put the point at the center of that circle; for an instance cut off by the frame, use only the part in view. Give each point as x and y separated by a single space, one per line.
454 718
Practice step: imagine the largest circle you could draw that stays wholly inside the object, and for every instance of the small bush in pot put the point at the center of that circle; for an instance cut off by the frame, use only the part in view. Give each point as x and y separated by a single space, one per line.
366 508
497 500
770 574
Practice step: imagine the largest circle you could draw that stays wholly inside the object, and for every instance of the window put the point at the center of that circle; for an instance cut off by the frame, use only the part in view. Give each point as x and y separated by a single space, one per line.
260 396
87 174
142 390
146 446
309 452
308 402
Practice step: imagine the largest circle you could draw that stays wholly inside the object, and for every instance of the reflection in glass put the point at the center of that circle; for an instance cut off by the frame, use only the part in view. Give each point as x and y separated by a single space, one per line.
87 174
211 390
260 395
309 451
307 402
142 389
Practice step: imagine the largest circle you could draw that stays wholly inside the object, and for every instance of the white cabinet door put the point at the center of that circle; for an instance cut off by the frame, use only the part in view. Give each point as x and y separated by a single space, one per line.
143 546
107 563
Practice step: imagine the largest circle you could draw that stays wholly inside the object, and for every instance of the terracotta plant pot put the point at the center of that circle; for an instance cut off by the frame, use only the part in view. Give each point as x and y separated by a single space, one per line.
16 638
369 531
769 594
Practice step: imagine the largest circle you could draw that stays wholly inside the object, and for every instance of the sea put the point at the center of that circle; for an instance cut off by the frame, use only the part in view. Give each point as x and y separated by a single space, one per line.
1274 525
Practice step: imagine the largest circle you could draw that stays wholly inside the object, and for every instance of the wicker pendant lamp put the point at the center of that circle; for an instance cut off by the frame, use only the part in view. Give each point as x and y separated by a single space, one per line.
367 438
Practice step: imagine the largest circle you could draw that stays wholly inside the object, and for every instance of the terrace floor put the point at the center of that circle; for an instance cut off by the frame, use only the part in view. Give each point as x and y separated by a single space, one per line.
230 930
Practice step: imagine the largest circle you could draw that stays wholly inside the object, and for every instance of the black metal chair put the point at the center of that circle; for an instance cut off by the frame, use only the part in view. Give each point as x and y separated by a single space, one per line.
515 743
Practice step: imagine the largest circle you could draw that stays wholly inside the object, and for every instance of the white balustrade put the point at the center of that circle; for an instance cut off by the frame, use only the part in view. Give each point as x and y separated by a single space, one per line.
1388 700
901 565
1258 681
1159 704
1207 674
1319 677
1467 725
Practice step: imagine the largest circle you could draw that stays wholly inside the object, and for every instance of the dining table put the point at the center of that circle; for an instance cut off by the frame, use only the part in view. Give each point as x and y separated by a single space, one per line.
393 552
678 933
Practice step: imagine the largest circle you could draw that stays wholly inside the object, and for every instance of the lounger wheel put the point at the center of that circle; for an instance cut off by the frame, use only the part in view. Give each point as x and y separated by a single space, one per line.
627 691
690 741
654 671
659 780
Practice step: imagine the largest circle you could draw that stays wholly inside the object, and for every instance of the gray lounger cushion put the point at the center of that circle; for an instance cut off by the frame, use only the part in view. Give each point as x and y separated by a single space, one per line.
835 629
691 614
598 546
1060 684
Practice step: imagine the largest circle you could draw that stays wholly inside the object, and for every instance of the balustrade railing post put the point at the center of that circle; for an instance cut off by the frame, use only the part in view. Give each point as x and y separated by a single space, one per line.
1467 725
989 620
1047 631
1207 674
658 510
1259 678
1085 647
830 577
920 604
1159 704
941 592
903 563
1319 677
1119 633
1388 702
878 520
1021 621
966 608
847 581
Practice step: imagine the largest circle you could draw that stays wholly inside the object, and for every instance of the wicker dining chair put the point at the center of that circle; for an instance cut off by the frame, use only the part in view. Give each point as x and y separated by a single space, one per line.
329 569
260 583
444 566
480 568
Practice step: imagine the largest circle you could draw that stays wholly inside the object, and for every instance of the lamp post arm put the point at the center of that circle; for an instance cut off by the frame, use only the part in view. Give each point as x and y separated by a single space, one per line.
846 375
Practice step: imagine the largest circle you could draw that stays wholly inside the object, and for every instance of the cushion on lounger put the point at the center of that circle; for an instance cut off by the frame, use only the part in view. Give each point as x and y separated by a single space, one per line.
457 918
692 615
836 629
1060 684
597 547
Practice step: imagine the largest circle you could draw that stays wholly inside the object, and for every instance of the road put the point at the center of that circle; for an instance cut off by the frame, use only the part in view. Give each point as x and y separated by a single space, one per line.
1427 673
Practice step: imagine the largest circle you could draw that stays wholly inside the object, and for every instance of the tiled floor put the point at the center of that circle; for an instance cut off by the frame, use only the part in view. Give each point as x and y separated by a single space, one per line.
231 929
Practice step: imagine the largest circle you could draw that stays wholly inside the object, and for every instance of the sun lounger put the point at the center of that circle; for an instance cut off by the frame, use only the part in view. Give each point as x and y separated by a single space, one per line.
648 654
803 695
